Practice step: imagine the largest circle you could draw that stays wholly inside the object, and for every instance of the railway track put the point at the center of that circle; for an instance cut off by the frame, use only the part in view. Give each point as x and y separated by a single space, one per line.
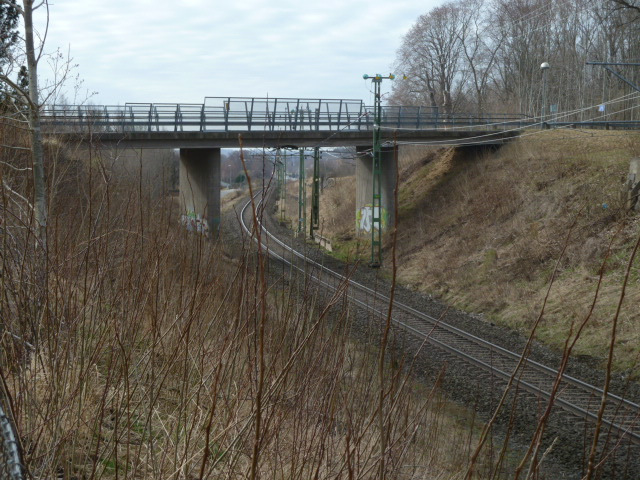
581 400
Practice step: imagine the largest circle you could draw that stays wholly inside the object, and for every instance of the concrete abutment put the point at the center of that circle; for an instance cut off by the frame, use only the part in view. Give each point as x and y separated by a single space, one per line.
364 188
200 188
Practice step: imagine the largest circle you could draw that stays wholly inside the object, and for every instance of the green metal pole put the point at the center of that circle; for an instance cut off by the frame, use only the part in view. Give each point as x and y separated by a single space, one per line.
282 193
376 203
315 193
302 197
284 186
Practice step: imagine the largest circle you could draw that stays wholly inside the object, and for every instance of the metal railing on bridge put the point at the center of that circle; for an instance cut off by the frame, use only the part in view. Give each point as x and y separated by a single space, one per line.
234 114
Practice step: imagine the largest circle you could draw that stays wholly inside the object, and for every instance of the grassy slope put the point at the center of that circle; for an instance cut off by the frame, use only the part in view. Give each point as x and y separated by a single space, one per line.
485 233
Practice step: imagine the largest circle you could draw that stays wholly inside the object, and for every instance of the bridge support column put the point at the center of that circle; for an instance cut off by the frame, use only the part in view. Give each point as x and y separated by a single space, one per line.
200 188
364 189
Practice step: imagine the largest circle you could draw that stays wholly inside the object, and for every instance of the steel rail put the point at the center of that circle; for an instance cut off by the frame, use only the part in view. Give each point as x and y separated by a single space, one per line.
529 367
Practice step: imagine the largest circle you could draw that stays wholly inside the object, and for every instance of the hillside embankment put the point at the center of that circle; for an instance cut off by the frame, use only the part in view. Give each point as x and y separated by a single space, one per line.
537 229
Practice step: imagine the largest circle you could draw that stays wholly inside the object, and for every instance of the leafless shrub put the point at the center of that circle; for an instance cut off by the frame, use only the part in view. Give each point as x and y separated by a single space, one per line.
145 355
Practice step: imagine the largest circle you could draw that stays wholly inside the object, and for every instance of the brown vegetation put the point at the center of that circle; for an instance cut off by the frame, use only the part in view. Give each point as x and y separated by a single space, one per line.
141 358
484 233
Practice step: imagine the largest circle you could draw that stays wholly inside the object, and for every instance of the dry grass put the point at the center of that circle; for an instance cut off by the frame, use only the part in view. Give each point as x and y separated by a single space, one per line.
337 217
484 232
144 354
337 207
487 231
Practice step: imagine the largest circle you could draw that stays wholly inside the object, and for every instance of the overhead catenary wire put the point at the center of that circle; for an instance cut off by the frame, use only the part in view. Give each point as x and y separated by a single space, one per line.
486 142
564 114
475 140
483 139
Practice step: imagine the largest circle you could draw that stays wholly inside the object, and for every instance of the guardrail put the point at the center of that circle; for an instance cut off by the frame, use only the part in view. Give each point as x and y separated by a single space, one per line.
600 124
240 114
225 114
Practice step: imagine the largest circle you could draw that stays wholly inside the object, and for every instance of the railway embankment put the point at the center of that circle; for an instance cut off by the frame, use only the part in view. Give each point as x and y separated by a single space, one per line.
471 386
537 233
539 229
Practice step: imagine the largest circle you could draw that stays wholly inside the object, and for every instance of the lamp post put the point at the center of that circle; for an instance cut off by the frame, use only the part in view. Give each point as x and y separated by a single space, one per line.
544 67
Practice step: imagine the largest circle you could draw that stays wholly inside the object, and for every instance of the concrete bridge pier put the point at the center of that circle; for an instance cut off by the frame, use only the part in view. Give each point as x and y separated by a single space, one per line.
200 189
364 188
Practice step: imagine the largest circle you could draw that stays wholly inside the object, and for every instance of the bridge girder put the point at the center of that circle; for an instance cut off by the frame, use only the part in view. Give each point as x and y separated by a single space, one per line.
287 139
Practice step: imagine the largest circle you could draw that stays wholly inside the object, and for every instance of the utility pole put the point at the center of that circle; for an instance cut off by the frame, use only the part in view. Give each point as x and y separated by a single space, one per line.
281 171
315 193
608 65
302 197
376 204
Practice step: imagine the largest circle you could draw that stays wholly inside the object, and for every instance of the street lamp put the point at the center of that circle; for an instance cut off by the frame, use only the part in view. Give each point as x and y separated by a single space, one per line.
544 67
229 168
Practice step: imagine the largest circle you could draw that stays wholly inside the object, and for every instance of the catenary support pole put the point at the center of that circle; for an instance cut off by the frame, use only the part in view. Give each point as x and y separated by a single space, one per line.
315 193
302 197
376 199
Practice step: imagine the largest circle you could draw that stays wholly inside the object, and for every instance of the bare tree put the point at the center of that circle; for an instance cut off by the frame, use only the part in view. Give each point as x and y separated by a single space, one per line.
630 4
32 100
431 57
480 47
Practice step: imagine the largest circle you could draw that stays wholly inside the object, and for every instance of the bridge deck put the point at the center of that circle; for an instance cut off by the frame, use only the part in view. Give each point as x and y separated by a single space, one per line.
268 122
281 122
284 139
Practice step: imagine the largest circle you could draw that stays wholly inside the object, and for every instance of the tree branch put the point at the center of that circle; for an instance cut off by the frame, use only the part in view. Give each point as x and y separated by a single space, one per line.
10 190
18 89
627 4
46 30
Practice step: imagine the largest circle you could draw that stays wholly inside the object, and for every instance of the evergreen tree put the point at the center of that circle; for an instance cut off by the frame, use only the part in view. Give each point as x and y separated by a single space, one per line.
8 33
8 39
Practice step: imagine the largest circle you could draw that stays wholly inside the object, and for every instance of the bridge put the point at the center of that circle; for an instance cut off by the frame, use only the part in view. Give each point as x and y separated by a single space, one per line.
269 122
199 131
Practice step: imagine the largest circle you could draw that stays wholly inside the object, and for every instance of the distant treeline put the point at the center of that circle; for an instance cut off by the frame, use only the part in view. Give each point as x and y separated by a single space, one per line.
484 56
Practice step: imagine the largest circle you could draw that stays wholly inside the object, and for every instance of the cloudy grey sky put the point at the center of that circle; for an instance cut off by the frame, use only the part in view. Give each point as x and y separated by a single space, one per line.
184 50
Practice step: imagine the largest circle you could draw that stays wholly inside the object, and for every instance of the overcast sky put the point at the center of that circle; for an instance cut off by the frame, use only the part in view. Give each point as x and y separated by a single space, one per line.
183 50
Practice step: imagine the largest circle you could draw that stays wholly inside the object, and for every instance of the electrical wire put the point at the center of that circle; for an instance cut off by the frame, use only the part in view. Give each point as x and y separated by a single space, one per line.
539 119
488 142
475 140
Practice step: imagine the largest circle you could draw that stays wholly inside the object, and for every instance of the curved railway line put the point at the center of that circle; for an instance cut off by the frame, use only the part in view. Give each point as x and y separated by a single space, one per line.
579 399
